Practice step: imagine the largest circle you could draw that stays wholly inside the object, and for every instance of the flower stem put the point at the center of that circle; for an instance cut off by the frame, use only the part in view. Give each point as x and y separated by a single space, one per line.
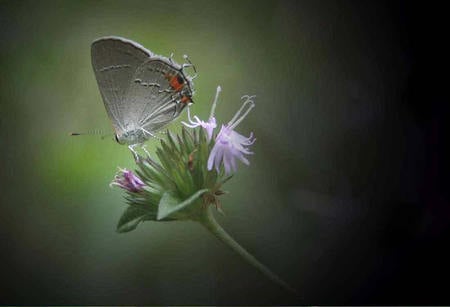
211 224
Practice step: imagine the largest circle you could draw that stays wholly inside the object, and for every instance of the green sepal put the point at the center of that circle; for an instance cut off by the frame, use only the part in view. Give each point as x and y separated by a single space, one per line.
131 218
174 181
169 205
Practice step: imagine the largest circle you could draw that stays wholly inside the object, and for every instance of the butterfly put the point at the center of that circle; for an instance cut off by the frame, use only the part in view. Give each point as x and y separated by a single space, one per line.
142 92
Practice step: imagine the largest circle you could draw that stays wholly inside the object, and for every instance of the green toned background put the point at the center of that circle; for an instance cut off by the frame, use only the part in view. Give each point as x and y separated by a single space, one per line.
333 198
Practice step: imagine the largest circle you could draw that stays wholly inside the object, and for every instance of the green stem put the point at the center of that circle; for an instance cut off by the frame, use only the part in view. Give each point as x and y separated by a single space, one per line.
211 224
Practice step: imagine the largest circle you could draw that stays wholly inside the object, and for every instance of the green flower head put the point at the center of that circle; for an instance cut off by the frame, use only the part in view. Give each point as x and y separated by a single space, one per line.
181 182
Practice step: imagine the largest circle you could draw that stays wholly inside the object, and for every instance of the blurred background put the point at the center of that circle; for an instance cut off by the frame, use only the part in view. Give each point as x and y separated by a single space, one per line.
346 197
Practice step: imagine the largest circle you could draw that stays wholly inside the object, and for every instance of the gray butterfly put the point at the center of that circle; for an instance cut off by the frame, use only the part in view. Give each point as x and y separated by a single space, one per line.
142 92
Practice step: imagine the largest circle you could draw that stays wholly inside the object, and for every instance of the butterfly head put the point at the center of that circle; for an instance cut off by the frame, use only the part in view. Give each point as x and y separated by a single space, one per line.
132 137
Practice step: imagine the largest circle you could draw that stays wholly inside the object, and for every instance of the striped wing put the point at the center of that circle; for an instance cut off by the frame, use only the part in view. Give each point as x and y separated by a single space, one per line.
115 61
152 100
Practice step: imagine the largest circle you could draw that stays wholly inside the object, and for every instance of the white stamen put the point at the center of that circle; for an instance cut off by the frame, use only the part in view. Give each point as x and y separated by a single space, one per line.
213 108
236 120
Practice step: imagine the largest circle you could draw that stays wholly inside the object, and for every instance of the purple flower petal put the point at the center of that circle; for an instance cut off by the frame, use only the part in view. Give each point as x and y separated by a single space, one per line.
209 125
127 180
229 146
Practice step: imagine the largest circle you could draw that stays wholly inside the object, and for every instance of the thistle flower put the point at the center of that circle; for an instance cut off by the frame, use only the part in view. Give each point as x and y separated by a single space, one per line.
181 183
229 144
127 181
175 186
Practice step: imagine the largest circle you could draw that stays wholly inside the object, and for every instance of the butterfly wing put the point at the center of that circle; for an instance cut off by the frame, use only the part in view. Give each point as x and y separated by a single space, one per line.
152 97
115 61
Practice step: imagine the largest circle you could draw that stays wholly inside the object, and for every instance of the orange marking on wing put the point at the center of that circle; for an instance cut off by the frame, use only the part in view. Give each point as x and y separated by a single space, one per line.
185 99
176 82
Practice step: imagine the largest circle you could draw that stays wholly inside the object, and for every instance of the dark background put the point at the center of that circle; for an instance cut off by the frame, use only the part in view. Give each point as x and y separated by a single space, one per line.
347 194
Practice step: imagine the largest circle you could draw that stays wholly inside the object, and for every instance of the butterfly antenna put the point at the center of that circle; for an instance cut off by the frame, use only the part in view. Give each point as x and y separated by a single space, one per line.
92 132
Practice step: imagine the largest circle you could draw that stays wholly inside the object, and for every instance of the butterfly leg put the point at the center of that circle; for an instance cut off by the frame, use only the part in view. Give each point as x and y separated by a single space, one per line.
144 148
135 154
151 134
189 64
